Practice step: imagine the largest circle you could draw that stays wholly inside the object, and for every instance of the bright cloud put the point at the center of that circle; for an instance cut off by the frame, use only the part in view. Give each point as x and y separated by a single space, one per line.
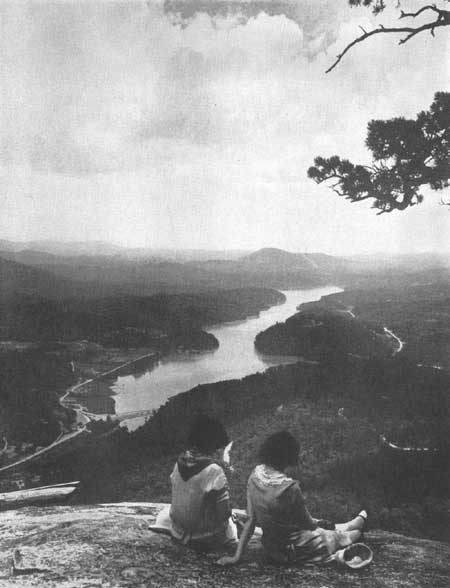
147 120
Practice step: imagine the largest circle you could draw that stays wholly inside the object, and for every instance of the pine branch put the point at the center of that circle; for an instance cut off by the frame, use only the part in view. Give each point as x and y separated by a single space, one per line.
442 20
433 7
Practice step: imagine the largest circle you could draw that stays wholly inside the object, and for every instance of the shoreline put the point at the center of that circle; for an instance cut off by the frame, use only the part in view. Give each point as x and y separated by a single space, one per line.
111 361
74 402
83 416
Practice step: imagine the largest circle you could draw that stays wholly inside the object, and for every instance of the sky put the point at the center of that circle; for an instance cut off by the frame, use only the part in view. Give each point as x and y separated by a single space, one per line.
191 124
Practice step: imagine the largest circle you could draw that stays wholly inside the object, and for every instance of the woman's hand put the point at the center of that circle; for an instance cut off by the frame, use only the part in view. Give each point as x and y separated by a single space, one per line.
227 560
325 524
246 535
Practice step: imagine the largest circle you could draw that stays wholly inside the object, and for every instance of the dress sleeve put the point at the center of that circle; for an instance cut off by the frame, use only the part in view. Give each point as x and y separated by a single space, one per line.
251 513
216 478
219 493
300 512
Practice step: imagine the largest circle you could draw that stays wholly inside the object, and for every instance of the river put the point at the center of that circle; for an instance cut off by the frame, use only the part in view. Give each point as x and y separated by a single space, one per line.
236 357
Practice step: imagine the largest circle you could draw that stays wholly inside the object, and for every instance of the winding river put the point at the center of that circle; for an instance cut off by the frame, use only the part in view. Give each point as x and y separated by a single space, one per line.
235 358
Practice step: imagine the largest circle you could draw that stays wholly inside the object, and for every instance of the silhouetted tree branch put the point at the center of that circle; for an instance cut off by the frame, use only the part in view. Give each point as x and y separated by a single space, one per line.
441 19
407 156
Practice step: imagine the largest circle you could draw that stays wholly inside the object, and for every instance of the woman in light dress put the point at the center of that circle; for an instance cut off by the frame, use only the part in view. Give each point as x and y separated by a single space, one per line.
276 503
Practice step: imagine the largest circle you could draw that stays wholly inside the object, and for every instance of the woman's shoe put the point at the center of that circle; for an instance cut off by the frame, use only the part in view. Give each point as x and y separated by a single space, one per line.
364 516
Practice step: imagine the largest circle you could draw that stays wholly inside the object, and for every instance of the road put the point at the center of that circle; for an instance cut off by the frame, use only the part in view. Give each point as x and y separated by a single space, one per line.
83 418
399 341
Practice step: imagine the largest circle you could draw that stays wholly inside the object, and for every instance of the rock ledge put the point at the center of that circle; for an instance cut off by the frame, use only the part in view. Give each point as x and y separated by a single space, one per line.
110 546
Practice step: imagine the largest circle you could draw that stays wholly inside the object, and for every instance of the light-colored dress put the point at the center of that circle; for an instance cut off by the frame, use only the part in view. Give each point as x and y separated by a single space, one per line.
200 513
289 531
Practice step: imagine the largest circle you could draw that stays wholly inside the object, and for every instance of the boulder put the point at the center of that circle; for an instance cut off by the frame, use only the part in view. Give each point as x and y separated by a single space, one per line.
110 545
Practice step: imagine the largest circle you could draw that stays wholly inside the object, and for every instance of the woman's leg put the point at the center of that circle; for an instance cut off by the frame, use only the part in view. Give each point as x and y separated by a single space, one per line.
345 533
350 537
356 524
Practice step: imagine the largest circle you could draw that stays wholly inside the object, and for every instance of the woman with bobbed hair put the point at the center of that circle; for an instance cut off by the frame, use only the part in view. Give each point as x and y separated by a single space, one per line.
275 503
200 512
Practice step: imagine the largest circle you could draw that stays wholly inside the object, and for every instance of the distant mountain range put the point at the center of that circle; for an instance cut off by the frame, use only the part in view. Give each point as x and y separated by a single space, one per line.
19 279
56 275
264 256
62 270
63 248
102 248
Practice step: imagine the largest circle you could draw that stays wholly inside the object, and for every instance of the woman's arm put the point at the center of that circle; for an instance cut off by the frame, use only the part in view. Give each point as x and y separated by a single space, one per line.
221 503
217 499
300 510
311 523
247 533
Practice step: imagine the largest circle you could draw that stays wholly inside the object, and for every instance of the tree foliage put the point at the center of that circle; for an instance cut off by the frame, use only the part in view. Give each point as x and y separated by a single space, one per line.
428 17
408 155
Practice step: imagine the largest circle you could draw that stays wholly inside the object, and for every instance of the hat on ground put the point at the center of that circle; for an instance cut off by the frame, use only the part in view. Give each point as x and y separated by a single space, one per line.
355 556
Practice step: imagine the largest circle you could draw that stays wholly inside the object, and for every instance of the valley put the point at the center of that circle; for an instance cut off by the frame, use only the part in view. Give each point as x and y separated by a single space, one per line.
364 384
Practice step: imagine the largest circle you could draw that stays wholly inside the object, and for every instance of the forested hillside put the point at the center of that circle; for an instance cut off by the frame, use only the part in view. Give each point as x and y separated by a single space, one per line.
320 334
30 387
126 321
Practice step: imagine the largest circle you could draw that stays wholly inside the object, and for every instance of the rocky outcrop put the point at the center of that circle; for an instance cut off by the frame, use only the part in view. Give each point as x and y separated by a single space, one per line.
110 546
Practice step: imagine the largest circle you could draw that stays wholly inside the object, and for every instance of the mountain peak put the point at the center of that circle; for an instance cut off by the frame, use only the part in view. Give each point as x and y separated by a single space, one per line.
272 256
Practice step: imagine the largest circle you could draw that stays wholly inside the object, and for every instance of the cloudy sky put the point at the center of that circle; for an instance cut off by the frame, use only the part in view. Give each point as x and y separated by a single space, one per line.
192 123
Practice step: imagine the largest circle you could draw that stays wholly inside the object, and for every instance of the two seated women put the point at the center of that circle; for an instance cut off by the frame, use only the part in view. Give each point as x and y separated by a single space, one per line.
200 514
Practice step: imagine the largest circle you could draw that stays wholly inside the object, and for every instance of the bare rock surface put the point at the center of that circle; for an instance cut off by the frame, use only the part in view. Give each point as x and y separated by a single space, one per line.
110 546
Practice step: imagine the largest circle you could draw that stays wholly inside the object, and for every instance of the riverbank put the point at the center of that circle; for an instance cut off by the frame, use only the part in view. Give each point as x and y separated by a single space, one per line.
105 364
96 367
236 357
70 401
96 376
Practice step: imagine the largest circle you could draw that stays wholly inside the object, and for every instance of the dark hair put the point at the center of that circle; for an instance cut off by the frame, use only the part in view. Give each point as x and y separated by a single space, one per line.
207 434
279 450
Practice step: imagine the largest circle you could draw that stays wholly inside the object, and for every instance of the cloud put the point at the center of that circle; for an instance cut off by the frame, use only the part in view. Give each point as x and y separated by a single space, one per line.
186 10
315 16
96 88
317 21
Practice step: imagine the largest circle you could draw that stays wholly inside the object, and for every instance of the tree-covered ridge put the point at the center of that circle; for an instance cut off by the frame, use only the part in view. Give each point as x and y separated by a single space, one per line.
321 334
408 155
417 310
101 276
126 321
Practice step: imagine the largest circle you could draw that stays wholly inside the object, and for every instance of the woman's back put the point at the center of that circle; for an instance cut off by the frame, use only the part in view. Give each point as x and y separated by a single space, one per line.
279 507
275 502
195 494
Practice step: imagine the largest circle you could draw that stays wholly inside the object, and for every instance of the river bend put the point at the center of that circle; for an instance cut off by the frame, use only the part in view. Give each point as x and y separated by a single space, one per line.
236 357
